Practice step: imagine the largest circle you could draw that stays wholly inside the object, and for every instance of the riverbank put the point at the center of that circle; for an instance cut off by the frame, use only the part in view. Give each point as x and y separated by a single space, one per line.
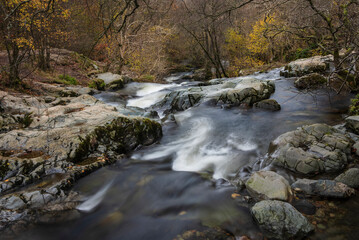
53 141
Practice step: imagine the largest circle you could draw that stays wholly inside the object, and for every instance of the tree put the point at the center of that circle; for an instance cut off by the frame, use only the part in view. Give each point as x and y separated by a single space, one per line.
26 26
206 21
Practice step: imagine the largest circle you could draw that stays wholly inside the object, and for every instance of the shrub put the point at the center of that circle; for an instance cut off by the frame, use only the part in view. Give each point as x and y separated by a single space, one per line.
354 107
98 84
26 120
66 79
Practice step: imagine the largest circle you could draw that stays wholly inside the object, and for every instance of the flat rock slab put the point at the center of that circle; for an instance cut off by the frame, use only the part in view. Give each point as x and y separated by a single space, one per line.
268 185
312 149
280 220
323 188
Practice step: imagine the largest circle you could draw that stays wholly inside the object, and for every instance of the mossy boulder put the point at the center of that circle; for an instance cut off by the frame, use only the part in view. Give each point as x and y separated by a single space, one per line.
113 81
310 81
122 135
268 104
280 220
97 84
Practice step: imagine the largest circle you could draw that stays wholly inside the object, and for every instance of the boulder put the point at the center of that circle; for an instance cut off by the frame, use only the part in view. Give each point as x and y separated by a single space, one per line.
311 150
349 177
352 124
310 81
323 188
280 220
268 104
114 81
316 64
268 185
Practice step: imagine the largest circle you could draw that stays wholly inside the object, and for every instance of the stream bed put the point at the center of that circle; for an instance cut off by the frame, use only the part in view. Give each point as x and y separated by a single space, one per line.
164 190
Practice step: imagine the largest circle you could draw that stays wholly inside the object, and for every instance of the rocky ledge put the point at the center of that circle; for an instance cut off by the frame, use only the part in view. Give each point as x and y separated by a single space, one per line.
228 92
53 141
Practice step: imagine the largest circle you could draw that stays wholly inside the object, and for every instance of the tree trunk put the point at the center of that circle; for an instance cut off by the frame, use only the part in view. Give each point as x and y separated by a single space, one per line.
14 75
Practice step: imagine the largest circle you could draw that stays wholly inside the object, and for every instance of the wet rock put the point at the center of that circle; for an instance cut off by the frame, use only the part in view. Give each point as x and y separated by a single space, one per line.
280 220
312 149
316 64
114 81
181 100
350 178
247 95
268 185
352 124
151 114
310 81
304 206
268 104
229 92
323 188
12 202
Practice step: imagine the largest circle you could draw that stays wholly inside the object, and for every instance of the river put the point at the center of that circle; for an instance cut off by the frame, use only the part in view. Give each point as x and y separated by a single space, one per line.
177 185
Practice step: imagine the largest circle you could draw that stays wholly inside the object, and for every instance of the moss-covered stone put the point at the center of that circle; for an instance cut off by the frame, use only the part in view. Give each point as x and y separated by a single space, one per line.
122 135
310 81
98 84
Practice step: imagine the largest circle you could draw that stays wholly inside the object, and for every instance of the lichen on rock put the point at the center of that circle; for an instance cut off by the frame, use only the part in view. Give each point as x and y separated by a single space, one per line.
312 149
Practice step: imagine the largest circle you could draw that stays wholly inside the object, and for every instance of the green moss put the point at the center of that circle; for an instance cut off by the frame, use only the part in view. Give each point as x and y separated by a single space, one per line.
4 168
98 84
147 78
116 85
66 79
122 135
354 107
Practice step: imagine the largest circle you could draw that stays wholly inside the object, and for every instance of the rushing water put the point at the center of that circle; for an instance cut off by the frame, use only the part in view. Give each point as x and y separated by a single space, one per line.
158 193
